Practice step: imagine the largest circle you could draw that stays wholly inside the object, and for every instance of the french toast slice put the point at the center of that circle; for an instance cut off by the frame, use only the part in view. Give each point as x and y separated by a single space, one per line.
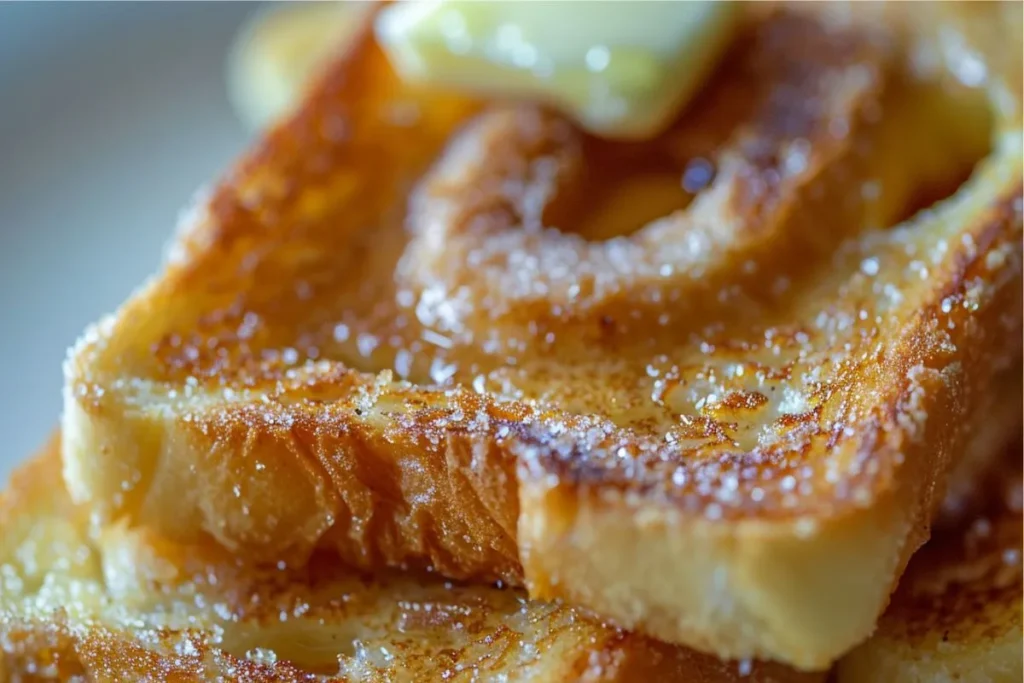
957 613
125 606
414 329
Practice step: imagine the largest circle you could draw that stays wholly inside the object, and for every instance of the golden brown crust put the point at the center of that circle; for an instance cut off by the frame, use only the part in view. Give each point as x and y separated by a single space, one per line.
128 606
769 382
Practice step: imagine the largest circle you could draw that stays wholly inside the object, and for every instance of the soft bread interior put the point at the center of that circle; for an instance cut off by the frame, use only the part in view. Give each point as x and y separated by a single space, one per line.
956 615
123 604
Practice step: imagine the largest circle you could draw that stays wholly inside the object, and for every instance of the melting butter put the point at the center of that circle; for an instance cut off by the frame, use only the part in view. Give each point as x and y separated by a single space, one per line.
621 68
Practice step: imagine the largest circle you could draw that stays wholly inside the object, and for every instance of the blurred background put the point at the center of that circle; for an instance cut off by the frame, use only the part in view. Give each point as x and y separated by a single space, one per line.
111 116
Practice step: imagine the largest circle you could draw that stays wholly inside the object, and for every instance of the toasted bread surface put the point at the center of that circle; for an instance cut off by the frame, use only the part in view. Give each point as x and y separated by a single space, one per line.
957 613
415 329
126 606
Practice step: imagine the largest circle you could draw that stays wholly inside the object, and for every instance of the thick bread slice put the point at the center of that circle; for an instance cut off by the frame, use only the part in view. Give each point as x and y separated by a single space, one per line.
127 607
728 429
957 613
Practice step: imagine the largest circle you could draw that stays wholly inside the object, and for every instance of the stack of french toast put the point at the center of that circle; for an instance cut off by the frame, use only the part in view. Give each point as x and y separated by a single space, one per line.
439 385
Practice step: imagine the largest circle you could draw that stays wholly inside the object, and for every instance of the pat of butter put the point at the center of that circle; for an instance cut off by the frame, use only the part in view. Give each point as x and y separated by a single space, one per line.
281 48
621 68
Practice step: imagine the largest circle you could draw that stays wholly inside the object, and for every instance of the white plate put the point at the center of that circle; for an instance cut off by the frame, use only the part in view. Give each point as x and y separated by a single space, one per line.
111 115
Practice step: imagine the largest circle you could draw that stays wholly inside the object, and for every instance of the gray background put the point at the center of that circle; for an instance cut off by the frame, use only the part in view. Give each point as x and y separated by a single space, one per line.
111 116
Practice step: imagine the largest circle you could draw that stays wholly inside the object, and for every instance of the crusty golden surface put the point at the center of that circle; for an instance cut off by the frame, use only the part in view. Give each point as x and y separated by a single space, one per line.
126 607
957 613
707 386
